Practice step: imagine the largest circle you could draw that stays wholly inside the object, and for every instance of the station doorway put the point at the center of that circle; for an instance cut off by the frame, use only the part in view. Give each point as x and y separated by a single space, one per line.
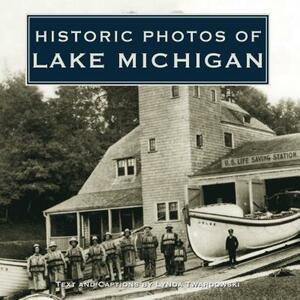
283 193
219 193
280 185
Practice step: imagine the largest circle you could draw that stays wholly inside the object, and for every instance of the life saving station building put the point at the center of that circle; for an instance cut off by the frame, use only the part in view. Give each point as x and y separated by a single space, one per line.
191 146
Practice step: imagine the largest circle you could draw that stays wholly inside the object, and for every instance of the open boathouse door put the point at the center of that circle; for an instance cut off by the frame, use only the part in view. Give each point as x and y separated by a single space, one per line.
219 193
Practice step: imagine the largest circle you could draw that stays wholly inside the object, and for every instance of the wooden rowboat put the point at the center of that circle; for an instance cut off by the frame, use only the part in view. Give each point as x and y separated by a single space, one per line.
13 276
207 228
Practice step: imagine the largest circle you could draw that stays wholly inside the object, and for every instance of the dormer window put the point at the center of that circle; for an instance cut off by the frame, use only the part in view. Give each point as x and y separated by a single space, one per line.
175 91
247 119
126 167
121 167
130 166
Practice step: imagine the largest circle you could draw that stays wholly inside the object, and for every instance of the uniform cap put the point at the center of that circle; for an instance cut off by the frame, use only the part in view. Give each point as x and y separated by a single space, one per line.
94 238
73 239
52 244
108 233
169 226
230 230
147 226
36 245
127 230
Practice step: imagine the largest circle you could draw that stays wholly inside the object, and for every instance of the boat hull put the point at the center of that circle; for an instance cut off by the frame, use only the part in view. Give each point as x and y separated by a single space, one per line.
207 233
13 277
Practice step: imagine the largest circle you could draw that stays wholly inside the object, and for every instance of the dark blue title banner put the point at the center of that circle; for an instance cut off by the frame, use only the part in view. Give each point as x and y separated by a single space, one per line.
181 49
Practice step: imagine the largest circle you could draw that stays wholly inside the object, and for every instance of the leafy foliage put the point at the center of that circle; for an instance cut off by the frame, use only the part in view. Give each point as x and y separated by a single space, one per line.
286 116
283 117
49 148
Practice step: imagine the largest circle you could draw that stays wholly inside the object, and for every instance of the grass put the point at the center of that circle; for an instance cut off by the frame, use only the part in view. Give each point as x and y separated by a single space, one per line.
16 239
279 288
22 231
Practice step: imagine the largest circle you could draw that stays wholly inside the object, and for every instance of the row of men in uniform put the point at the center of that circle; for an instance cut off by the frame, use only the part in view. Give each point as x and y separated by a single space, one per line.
105 258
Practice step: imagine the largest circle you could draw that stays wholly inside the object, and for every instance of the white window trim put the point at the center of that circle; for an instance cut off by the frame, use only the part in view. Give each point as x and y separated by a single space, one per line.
126 166
167 211
199 91
134 166
150 151
216 96
232 147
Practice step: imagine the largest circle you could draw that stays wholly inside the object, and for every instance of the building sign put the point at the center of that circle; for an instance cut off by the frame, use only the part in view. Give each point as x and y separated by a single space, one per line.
149 49
260 159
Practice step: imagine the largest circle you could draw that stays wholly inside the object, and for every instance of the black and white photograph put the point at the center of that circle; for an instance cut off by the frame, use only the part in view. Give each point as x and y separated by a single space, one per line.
136 187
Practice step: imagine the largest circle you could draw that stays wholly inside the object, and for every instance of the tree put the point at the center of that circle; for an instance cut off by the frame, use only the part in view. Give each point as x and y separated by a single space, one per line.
252 100
25 130
286 115
49 148
122 113
78 114
283 117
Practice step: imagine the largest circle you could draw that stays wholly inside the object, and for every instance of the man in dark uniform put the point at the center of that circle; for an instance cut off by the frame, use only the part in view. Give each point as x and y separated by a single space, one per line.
231 246
167 247
147 251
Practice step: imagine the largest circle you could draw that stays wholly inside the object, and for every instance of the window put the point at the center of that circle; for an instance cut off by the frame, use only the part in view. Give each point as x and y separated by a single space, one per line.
63 225
121 167
130 166
247 119
227 94
167 211
173 211
152 145
197 92
161 212
199 140
228 139
175 91
126 167
213 95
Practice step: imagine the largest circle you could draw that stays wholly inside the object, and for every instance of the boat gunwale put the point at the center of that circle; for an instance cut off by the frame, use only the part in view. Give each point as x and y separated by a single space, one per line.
13 262
242 220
